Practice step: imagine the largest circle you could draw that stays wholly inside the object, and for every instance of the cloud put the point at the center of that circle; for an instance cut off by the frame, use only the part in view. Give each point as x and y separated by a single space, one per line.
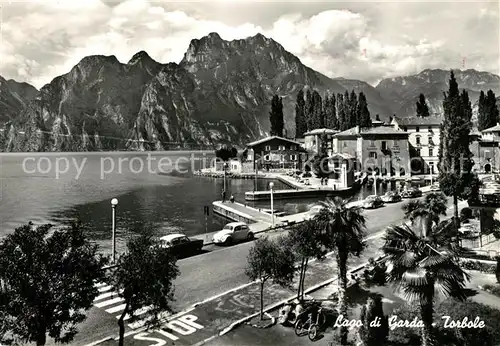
44 39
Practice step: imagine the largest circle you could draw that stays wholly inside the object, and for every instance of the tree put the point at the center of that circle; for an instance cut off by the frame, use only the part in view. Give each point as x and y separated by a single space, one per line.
317 120
139 288
364 119
309 109
342 116
374 335
428 211
47 282
497 270
300 116
276 116
467 105
455 158
422 108
353 109
273 260
343 227
305 241
492 108
483 119
421 266
224 153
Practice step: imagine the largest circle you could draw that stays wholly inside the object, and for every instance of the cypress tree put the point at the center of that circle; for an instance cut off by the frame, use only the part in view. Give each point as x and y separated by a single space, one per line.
300 117
482 117
467 105
317 120
353 109
276 116
422 108
341 112
334 122
455 158
309 106
491 102
364 119
347 110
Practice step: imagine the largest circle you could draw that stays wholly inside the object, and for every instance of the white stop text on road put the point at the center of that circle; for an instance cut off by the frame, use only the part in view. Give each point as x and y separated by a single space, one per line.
184 325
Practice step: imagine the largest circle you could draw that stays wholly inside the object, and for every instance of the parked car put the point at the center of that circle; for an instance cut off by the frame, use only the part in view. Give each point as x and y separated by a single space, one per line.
372 202
181 245
391 197
314 211
411 193
233 232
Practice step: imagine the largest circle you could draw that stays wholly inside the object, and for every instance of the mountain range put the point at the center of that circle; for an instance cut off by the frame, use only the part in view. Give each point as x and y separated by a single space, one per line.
219 93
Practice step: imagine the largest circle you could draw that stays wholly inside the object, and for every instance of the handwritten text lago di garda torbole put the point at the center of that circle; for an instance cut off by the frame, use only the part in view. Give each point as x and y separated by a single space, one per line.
396 322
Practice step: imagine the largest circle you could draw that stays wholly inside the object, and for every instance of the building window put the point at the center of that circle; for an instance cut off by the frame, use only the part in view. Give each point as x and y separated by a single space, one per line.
268 148
384 145
281 147
373 155
487 154
372 143
293 147
417 139
417 129
293 157
418 152
267 157
429 129
282 158
431 152
431 167
405 128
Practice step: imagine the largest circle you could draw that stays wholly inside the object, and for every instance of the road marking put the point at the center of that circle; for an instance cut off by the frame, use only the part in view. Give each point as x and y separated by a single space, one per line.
109 302
181 326
100 284
105 288
139 312
105 295
116 308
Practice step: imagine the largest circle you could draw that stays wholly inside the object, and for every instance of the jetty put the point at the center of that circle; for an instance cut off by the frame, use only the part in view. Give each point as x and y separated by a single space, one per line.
303 193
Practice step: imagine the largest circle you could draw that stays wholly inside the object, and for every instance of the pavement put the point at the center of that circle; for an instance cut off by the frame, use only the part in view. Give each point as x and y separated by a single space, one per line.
222 309
210 275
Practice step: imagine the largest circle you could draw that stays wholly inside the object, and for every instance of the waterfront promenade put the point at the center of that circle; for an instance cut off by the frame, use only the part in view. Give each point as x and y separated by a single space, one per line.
217 272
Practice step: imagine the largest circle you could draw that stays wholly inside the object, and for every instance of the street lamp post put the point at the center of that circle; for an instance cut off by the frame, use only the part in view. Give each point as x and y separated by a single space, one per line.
114 203
375 183
271 185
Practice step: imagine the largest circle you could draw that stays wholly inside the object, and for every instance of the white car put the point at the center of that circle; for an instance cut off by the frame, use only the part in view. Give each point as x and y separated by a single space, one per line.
233 232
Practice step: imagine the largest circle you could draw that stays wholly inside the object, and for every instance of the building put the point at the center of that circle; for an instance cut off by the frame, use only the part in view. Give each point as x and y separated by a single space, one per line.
315 139
382 149
341 167
232 166
423 135
486 150
275 153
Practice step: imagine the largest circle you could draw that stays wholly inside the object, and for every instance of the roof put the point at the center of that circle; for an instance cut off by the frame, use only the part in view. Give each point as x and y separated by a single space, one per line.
320 132
263 140
170 237
235 224
495 128
415 121
379 130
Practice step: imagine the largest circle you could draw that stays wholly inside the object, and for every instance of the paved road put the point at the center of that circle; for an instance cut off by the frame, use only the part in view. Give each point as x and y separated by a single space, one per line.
210 274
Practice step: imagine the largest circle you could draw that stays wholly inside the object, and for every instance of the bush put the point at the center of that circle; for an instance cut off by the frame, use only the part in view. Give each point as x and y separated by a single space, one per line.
306 175
480 266
487 336
374 335
466 214
375 274
497 270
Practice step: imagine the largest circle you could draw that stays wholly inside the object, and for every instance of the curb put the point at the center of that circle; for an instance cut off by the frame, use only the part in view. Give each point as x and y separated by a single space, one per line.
284 301
100 341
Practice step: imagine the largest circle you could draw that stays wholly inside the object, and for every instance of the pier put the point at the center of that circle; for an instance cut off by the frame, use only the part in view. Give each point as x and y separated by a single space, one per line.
304 193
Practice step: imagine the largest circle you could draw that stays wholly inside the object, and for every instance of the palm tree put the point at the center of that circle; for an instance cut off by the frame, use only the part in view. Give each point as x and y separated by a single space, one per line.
343 229
423 266
427 212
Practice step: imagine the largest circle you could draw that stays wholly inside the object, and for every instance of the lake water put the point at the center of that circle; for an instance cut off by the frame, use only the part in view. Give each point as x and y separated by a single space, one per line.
163 195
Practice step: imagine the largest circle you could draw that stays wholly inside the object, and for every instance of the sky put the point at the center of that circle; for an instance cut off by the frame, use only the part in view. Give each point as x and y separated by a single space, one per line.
42 39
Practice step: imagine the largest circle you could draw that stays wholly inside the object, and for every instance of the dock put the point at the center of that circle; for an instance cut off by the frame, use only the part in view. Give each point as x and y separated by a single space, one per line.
243 213
304 193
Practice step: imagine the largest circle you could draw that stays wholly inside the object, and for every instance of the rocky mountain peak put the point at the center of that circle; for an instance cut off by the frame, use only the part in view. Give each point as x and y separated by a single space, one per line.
140 57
